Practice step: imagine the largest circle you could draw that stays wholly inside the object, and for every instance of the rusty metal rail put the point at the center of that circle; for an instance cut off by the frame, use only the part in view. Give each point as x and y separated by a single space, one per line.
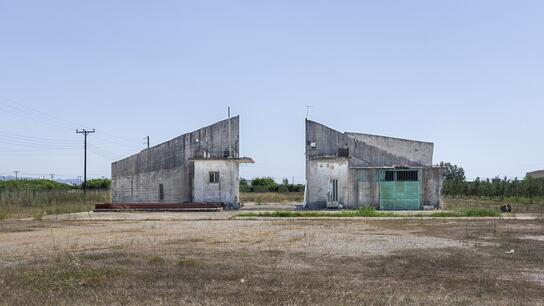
159 207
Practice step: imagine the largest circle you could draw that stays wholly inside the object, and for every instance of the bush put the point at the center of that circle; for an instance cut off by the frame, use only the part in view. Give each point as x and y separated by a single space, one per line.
99 184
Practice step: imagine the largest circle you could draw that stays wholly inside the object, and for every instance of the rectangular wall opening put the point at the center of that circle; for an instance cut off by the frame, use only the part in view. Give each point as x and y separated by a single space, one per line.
214 177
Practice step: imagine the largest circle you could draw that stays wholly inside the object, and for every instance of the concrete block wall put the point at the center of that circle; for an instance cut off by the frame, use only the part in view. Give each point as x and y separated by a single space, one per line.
226 190
137 178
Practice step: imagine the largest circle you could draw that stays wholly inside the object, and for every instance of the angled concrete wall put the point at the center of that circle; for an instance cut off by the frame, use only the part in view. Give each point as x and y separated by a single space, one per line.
417 152
138 178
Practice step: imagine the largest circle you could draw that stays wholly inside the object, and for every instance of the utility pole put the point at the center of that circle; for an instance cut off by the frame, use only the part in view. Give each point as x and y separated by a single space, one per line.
147 141
16 172
52 176
307 110
85 133
230 147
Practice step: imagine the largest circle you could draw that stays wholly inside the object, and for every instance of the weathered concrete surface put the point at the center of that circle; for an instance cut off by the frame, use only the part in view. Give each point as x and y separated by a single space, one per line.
536 174
322 170
418 152
138 177
226 190
355 159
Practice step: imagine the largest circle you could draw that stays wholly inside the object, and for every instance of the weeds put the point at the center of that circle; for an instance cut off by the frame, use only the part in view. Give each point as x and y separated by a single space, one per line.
271 197
185 262
156 260
368 212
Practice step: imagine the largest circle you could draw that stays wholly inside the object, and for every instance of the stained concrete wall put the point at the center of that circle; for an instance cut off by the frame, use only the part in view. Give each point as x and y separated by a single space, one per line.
137 178
365 188
371 151
418 152
324 141
322 171
536 174
226 190
431 182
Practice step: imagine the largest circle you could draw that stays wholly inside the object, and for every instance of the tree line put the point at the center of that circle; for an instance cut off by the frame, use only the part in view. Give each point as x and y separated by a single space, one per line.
456 185
267 184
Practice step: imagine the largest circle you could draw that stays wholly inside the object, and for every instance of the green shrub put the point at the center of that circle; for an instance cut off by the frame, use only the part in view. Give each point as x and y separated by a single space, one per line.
480 212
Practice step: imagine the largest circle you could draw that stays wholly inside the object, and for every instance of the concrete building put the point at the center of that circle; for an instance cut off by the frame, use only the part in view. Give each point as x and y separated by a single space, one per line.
536 174
197 167
355 170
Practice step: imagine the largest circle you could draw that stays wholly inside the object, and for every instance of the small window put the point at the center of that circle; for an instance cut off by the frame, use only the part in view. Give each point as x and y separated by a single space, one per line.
214 176
406 176
389 176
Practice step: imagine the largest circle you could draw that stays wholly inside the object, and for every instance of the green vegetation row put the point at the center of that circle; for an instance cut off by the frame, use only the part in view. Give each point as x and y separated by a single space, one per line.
40 184
267 184
366 212
455 185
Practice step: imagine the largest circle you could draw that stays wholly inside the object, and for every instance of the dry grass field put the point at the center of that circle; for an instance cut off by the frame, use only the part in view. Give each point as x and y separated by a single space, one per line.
212 259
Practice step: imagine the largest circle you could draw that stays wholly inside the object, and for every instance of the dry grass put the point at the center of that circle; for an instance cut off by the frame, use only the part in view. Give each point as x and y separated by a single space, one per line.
274 263
461 203
272 197
36 203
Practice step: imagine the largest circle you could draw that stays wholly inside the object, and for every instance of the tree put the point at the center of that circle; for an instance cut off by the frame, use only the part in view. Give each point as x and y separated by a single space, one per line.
531 187
453 172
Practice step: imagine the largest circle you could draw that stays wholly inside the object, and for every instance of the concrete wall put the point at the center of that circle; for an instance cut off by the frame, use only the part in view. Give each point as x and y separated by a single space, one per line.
536 174
374 153
137 178
365 188
431 182
417 152
321 171
226 190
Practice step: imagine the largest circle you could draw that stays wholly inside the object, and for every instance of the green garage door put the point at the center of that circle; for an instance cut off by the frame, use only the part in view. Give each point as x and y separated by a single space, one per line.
399 190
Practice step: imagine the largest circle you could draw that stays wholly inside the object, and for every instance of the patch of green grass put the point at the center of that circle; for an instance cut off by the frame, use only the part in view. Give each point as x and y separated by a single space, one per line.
66 277
480 212
156 261
38 216
186 262
368 212
3 214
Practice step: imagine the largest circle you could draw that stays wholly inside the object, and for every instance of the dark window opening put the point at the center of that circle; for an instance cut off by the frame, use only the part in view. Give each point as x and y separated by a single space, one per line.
389 176
406 175
343 152
161 192
214 176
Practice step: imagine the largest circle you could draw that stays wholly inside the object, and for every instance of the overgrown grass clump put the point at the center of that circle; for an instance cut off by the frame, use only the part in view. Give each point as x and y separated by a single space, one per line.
369 212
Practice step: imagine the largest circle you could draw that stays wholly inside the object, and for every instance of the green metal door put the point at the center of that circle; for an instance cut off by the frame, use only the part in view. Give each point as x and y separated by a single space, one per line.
399 195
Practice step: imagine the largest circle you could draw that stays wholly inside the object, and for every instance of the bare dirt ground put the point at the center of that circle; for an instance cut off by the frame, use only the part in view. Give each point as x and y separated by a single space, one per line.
211 259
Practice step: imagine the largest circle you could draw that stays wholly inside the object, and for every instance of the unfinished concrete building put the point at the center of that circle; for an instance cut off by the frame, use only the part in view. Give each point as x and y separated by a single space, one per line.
197 167
539 174
355 170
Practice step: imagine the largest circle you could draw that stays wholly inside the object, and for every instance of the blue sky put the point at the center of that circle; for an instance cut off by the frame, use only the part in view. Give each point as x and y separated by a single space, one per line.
466 75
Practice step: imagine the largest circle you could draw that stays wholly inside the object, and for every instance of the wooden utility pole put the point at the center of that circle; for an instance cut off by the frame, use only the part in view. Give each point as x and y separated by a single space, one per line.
85 133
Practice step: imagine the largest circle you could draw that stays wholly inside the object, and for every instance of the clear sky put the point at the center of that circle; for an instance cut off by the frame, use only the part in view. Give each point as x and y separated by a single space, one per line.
466 75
